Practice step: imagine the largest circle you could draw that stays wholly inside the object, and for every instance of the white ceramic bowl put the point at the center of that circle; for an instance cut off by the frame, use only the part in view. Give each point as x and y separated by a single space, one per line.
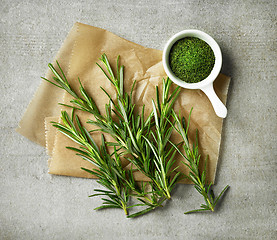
206 85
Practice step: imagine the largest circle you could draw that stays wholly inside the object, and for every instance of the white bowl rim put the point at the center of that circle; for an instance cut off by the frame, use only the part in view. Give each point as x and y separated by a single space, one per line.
209 40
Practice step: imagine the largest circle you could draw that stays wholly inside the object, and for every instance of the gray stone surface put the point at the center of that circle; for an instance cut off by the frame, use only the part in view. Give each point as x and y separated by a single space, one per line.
36 205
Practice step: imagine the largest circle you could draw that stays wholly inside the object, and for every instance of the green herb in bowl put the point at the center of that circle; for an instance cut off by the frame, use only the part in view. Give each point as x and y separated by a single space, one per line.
191 59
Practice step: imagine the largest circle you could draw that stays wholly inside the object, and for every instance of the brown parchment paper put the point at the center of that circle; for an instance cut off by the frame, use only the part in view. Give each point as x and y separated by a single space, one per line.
77 56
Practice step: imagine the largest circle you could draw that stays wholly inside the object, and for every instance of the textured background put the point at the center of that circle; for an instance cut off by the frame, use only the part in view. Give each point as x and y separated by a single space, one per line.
36 205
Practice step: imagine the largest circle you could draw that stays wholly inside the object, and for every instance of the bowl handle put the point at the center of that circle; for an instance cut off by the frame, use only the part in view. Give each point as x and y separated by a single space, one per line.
218 106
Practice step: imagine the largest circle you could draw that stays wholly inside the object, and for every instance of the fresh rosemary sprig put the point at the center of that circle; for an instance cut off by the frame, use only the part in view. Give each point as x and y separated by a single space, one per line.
110 172
164 153
156 155
192 160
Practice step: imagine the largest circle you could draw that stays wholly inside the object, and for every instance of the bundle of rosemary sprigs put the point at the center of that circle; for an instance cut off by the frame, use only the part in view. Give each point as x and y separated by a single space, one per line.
145 141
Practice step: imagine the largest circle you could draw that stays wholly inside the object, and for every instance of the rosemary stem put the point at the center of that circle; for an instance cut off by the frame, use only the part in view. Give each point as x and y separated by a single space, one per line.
205 195
124 208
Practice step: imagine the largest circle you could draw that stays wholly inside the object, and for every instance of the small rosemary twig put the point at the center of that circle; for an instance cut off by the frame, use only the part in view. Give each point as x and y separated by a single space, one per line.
192 160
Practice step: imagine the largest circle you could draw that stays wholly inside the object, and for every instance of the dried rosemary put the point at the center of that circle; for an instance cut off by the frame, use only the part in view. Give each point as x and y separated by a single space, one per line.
191 59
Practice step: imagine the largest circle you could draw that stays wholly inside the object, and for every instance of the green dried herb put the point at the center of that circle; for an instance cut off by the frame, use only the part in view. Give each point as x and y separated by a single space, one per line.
191 59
